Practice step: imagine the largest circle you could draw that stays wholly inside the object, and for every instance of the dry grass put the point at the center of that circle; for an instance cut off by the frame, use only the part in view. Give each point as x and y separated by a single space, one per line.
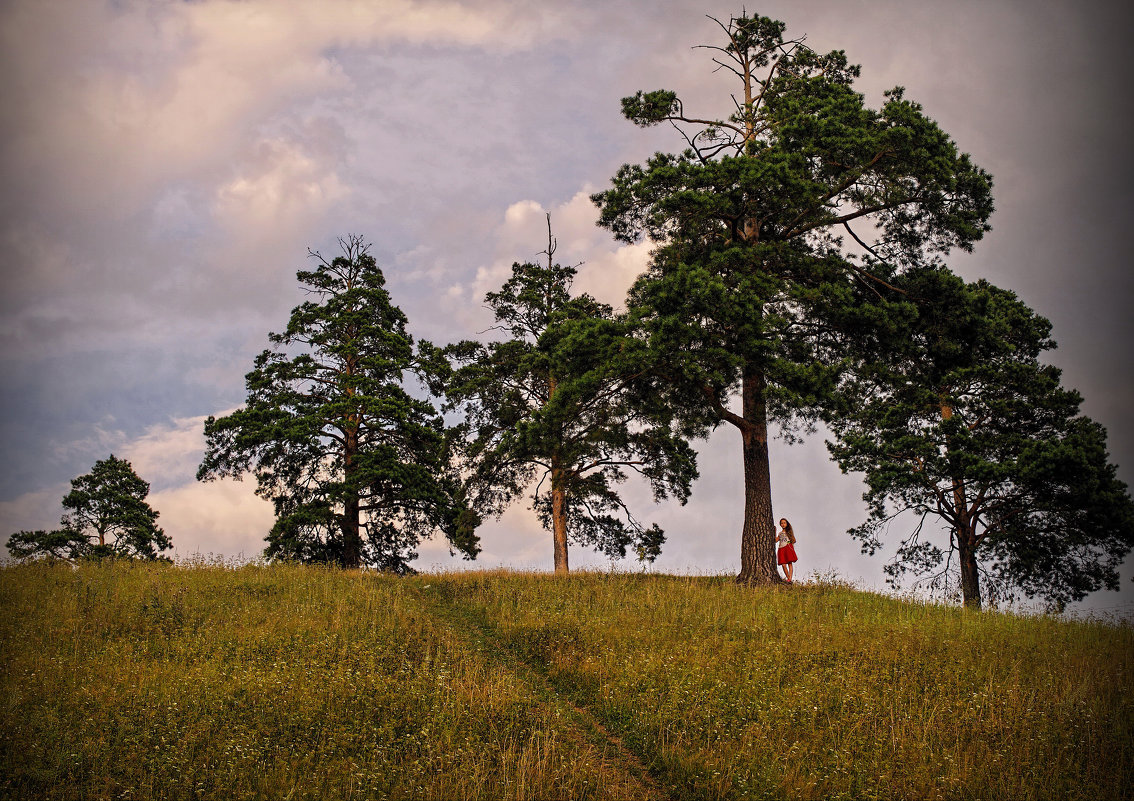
823 691
120 681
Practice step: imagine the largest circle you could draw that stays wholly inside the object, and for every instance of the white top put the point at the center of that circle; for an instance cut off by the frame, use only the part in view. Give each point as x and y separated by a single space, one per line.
782 538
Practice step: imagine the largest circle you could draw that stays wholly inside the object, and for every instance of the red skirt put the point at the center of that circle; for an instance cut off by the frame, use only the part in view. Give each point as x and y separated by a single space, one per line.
786 555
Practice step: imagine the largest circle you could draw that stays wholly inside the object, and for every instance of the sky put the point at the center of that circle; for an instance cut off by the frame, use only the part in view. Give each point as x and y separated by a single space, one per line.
167 165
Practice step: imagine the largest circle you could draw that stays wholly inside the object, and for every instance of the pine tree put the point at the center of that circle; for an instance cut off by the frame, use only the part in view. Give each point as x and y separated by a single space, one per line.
356 467
752 290
108 518
955 420
554 406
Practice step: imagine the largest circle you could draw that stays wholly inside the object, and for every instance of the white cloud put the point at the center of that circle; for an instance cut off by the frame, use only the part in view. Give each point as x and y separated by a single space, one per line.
609 274
117 98
606 268
32 511
178 115
103 439
219 517
167 454
281 187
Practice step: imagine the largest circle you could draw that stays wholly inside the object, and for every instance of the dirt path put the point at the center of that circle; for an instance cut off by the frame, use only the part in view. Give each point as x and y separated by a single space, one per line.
623 774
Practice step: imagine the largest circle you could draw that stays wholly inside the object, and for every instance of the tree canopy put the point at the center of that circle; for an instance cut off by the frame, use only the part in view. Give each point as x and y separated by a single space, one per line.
356 467
108 517
553 406
774 226
958 422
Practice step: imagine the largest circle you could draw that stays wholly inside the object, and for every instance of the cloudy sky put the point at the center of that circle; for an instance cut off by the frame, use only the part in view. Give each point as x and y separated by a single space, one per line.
166 166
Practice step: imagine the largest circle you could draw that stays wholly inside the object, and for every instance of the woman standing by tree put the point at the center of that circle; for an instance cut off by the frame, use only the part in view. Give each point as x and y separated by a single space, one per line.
785 552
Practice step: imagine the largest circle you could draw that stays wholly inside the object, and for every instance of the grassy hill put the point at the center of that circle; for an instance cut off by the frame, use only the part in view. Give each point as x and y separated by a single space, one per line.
123 681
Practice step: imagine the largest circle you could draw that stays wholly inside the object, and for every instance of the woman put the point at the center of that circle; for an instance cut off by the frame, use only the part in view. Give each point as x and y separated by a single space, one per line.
785 553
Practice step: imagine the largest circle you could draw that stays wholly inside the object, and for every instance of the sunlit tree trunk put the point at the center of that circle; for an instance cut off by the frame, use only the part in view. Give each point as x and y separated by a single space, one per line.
559 520
558 488
758 537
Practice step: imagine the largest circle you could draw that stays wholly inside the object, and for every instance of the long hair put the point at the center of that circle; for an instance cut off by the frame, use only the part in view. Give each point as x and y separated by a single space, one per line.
790 532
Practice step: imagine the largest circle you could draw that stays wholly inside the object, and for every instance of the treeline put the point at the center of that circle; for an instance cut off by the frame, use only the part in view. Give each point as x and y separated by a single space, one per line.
797 278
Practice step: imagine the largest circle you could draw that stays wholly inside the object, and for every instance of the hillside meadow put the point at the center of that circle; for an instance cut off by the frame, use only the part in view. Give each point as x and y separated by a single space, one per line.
130 681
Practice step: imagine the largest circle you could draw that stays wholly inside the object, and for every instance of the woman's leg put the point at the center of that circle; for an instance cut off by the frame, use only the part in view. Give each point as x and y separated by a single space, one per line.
788 569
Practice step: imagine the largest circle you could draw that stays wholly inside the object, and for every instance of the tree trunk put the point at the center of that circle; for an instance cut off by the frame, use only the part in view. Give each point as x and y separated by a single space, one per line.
352 536
558 491
966 536
970 576
758 537
559 522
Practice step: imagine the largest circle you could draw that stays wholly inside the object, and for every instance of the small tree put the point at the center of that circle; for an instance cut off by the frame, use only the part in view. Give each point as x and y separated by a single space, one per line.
108 517
556 403
956 420
753 283
356 467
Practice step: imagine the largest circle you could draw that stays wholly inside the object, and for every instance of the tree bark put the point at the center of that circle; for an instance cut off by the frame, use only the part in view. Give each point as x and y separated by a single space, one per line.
559 522
758 536
352 537
970 576
966 536
558 490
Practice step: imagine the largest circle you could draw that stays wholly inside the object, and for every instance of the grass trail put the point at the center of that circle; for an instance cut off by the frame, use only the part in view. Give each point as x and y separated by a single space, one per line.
621 771
139 682
825 692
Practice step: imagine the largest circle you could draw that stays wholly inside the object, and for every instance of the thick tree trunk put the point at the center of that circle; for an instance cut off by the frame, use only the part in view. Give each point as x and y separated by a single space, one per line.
559 523
758 537
352 536
558 491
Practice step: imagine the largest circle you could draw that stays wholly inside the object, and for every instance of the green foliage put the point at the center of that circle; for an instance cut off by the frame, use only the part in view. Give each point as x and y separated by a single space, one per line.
752 289
244 682
108 518
747 217
357 468
554 406
957 420
772 313
646 109
804 155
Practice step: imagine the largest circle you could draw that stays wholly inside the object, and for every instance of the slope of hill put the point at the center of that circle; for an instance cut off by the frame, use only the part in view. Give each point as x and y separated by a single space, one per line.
132 681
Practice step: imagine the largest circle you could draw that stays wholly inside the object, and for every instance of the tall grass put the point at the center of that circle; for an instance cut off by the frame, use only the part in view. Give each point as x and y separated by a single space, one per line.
826 692
282 682
134 681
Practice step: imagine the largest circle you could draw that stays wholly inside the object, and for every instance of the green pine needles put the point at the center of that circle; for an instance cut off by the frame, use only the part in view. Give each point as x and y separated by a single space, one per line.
955 421
357 468
556 405
107 517
752 290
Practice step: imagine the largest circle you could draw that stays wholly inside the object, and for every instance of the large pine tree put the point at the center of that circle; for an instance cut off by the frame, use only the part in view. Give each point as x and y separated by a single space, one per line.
356 466
772 226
